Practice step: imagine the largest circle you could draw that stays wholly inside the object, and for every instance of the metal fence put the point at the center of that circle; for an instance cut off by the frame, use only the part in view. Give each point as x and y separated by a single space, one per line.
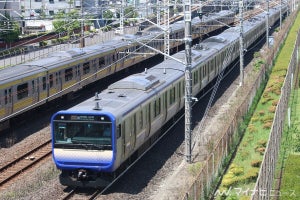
230 136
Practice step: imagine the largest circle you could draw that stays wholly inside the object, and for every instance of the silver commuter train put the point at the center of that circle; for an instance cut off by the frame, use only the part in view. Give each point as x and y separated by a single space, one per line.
29 85
94 139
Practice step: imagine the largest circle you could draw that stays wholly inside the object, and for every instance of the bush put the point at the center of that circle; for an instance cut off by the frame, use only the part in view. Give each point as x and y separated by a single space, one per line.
272 109
267 125
261 150
262 143
43 43
252 128
255 163
238 171
261 112
251 175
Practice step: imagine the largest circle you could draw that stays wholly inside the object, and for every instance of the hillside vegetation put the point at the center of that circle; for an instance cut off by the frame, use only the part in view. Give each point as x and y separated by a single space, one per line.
240 178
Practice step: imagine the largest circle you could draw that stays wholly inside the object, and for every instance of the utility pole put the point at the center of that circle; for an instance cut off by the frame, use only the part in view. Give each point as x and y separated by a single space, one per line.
166 28
122 17
188 80
280 14
158 13
82 44
241 44
267 25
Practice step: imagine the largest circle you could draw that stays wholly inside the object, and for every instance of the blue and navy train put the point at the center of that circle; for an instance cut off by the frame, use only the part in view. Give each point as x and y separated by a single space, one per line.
93 140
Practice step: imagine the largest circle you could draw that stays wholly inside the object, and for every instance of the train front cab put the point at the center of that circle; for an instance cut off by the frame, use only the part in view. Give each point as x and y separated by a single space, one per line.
83 148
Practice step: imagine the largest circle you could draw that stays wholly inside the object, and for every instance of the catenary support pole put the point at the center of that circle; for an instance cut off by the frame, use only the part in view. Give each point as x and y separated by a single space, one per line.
267 25
188 80
241 44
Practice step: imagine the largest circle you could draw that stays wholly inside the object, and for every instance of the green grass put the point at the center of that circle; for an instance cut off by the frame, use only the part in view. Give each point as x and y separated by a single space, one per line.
243 170
290 185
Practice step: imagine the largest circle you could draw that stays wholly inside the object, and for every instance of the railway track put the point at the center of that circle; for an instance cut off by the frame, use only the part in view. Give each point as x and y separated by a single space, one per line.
77 193
23 163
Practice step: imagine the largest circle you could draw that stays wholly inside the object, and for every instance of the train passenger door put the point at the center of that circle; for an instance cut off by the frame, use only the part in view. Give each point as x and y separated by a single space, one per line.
128 134
8 101
38 89
133 131
58 80
35 95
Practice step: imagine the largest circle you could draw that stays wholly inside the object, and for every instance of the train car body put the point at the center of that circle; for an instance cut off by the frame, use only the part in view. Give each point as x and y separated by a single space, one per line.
94 139
26 86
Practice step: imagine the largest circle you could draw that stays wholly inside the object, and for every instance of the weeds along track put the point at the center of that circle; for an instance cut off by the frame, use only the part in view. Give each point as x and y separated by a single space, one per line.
11 170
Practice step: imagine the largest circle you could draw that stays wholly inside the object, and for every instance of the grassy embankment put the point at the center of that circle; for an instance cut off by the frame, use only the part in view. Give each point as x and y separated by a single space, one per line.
240 178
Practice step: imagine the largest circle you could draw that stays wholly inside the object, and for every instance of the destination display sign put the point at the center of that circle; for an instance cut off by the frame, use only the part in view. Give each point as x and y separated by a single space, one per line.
73 117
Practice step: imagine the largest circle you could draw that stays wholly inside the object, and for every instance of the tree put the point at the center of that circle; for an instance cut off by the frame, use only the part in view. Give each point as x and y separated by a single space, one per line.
67 22
10 30
107 14
130 12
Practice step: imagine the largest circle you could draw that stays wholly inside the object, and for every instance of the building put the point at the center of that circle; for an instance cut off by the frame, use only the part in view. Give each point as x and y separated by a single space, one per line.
44 8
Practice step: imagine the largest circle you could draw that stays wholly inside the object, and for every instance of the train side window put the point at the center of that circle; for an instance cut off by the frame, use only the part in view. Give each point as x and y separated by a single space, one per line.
33 86
141 120
118 131
101 62
195 78
86 68
22 91
44 83
179 89
200 71
157 107
68 74
172 96
183 88
51 80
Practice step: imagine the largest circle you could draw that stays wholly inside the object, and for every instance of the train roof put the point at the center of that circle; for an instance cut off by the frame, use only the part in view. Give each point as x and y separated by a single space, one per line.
132 91
19 71
54 59
126 94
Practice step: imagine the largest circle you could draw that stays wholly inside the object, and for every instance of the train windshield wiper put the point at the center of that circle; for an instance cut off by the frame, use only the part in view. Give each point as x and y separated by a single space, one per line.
82 144
91 146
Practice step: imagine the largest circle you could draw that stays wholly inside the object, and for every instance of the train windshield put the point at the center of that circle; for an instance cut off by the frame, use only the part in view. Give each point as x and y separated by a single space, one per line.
85 135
